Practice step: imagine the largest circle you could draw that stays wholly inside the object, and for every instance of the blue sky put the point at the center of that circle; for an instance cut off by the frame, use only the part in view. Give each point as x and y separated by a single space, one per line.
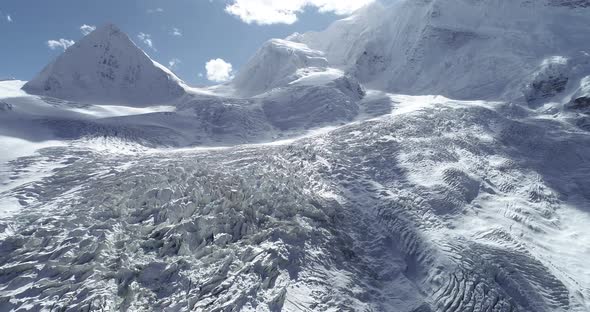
205 29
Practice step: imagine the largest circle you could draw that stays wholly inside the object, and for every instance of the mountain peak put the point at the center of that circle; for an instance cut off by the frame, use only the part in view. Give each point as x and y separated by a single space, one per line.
276 64
106 67
108 27
106 30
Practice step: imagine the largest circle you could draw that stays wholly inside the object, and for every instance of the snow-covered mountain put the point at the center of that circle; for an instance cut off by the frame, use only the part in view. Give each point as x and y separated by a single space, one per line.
296 88
286 88
460 48
305 184
276 64
107 67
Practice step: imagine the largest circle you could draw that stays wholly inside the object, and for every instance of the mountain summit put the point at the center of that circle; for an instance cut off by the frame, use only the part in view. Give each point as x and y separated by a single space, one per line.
106 67
276 64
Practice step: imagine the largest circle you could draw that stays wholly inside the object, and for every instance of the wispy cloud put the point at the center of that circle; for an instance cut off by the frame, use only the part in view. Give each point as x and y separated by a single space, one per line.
156 10
266 12
86 29
173 63
219 70
146 39
63 44
176 32
9 18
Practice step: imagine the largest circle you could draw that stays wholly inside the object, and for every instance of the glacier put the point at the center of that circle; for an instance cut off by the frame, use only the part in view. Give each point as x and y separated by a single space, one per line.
416 156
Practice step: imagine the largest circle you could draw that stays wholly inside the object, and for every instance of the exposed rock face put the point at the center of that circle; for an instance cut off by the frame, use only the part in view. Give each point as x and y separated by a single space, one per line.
570 3
581 98
5 107
581 103
106 66
549 80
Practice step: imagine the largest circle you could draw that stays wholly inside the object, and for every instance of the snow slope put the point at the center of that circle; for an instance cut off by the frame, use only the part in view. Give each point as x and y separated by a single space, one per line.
441 205
275 65
295 87
195 121
398 203
314 100
105 86
462 49
107 67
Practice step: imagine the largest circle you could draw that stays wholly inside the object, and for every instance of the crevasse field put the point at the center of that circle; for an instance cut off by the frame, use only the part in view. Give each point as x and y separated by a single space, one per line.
400 160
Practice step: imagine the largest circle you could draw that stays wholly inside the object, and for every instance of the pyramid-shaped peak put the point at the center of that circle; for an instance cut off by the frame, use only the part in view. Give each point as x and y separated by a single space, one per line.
110 27
108 37
106 31
106 66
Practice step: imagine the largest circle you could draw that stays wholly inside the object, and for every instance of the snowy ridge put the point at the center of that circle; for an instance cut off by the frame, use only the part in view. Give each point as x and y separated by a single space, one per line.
275 65
483 49
107 67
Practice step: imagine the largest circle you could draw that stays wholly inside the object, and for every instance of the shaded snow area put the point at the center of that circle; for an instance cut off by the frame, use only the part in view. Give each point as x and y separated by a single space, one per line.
198 118
440 206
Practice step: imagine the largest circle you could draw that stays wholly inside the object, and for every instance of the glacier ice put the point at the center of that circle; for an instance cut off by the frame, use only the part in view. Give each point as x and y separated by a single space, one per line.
453 206
305 184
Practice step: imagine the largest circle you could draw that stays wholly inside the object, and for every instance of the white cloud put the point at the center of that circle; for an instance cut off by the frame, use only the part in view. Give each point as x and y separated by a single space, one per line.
156 10
176 32
265 12
219 70
9 18
60 44
86 29
173 63
146 39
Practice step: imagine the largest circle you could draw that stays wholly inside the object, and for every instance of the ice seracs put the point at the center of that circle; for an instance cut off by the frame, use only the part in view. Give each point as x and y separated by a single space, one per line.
106 67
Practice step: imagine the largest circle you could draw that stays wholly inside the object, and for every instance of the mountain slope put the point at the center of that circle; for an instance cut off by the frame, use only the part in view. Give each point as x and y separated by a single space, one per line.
276 64
462 49
401 203
440 206
106 67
